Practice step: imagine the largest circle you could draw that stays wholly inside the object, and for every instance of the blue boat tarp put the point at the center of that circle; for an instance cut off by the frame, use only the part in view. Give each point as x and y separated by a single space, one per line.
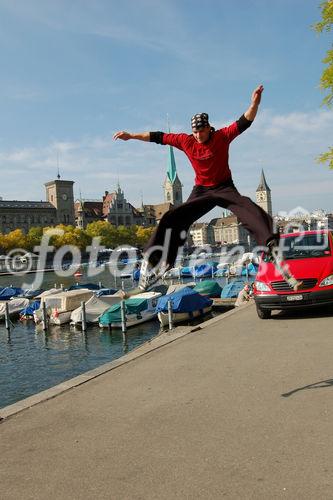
207 269
8 292
252 270
232 290
136 274
29 310
132 306
184 300
186 271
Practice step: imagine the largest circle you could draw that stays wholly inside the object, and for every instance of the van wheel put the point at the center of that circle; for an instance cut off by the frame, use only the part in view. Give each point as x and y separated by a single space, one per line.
263 313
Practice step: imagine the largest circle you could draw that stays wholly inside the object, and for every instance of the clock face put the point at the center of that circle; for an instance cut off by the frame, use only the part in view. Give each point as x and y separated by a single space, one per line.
261 197
64 196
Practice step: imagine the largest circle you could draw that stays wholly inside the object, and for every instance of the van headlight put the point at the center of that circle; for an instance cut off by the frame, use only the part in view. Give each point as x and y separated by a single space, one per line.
327 281
261 287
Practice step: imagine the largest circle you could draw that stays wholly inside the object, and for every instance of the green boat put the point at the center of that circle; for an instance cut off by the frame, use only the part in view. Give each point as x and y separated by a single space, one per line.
208 288
138 310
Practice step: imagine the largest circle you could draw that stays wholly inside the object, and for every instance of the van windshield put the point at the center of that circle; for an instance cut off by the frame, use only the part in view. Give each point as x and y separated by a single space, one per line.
305 246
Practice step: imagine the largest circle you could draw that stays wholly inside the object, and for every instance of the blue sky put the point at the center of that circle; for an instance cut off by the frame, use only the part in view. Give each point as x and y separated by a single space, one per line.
75 72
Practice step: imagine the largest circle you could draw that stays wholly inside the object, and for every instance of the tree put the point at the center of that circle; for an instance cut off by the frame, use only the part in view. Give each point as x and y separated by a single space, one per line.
143 234
326 81
34 237
105 230
14 239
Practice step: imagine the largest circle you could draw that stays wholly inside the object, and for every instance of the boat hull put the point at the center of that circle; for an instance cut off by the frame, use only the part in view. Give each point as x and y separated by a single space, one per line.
181 317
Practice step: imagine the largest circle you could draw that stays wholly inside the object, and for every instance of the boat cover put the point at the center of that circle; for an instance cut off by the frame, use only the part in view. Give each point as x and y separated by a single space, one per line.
184 300
95 306
10 291
29 310
232 290
14 306
132 306
209 287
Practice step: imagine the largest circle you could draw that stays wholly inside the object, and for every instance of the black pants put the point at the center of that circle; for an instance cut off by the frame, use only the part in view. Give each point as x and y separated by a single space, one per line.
201 200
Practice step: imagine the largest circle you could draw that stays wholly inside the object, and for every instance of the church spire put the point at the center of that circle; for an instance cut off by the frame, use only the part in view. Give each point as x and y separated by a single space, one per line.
263 186
172 171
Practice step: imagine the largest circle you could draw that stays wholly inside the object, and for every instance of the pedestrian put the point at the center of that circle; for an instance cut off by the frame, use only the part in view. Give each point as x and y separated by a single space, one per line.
207 150
244 295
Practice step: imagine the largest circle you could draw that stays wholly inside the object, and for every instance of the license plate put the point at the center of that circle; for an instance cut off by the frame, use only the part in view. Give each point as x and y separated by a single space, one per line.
294 297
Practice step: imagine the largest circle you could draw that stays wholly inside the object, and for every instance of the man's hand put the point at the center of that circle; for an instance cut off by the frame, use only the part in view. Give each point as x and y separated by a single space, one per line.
124 136
256 96
250 113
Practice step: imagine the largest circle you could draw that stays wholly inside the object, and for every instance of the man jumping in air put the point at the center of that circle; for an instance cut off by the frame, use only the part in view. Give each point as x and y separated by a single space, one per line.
208 151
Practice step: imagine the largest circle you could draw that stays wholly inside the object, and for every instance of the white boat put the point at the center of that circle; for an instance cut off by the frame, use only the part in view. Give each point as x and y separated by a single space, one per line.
59 306
182 317
52 291
186 305
139 309
95 307
14 306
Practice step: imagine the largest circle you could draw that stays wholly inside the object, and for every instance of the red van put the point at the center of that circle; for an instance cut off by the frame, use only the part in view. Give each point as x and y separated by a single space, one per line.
309 256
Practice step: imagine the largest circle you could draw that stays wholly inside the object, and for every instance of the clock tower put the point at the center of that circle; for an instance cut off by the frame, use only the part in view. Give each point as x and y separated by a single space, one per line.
60 194
263 195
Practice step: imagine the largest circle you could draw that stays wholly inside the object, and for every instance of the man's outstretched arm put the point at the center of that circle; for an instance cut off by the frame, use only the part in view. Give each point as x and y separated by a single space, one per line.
125 136
251 112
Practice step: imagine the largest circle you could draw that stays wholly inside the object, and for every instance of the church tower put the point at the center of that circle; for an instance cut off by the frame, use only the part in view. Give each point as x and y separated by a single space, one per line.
263 195
60 194
173 192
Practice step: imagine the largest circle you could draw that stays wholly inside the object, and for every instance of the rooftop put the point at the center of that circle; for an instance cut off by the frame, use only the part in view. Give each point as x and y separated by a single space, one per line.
25 204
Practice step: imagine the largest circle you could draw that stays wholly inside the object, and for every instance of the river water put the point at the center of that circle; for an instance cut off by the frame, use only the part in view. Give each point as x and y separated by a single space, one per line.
32 360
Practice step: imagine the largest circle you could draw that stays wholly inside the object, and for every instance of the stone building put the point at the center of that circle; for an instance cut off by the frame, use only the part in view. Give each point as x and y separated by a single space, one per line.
203 233
58 208
87 211
229 231
119 212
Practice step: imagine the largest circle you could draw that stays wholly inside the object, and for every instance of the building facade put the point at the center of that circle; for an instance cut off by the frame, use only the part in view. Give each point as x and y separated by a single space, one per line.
87 211
202 233
119 212
60 194
25 214
58 208
229 231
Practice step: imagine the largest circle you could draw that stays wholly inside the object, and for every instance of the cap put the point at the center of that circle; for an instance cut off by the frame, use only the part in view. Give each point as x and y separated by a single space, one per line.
199 121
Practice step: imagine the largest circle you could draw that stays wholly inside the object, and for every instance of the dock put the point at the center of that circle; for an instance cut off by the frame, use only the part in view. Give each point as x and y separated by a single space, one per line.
237 408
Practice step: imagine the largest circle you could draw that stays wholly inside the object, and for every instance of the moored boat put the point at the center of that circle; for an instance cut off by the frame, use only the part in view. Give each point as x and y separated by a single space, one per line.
94 307
14 306
59 306
186 304
139 309
208 288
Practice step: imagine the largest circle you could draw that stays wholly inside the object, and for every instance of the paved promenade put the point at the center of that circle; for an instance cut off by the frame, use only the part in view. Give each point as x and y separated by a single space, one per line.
242 409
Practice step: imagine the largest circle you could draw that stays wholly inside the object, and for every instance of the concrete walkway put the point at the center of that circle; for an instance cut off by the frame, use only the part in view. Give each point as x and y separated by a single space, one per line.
242 409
